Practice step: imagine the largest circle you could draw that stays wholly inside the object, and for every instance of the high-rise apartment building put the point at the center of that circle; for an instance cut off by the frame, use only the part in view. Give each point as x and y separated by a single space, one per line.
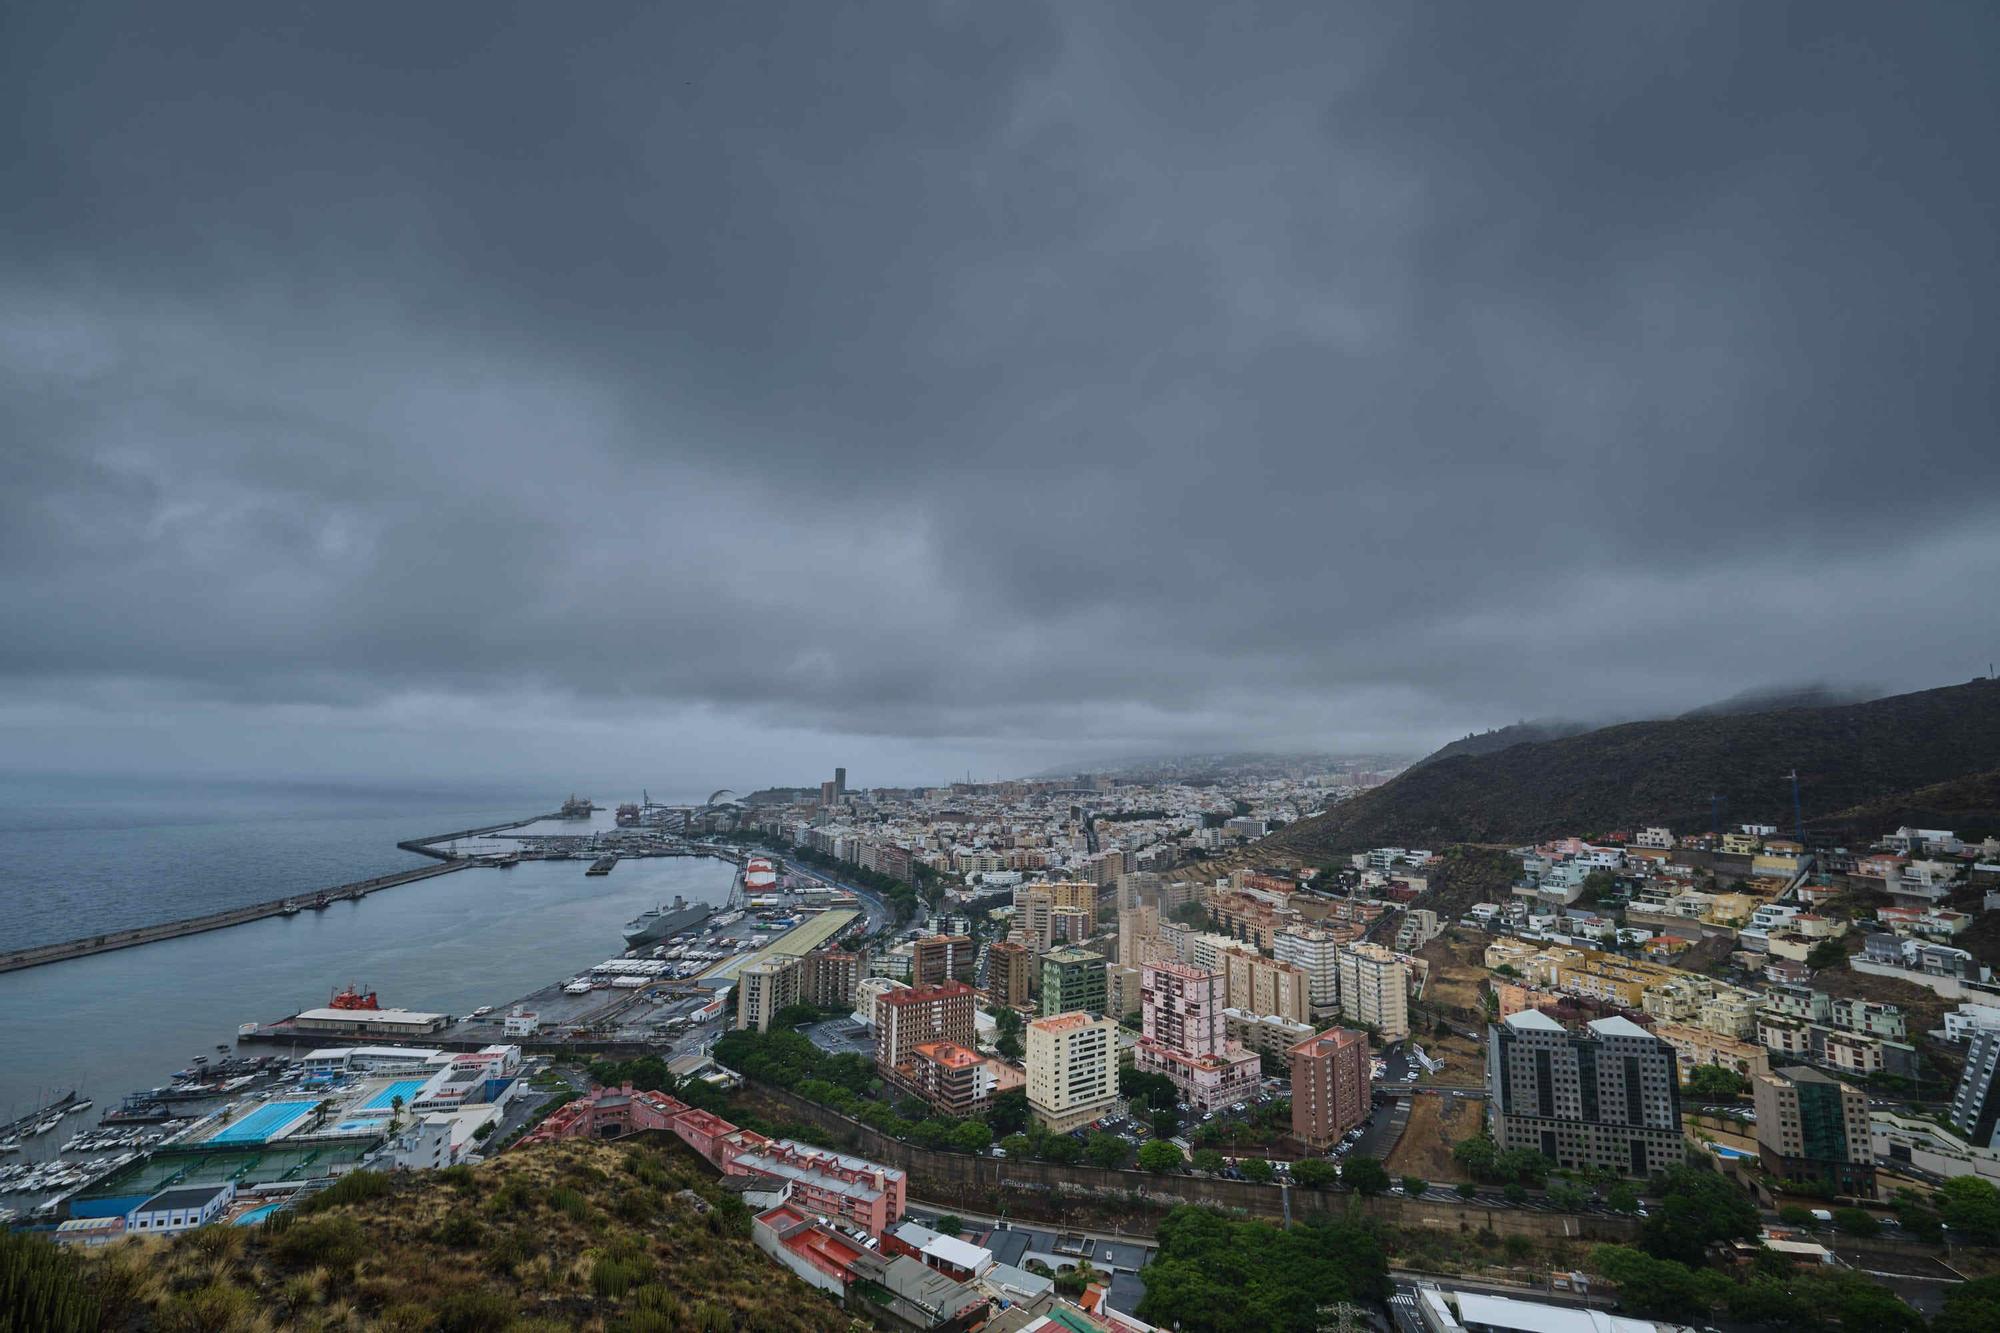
1259 985
766 986
1072 979
829 977
1329 1086
1205 950
906 1019
1975 1106
1068 925
1375 990
1080 894
1607 1096
1317 954
1034 911
954 1080
1138 935
1107 866
935 959
1121 989
1072 1069
1183 1036
1009 969
1811 1126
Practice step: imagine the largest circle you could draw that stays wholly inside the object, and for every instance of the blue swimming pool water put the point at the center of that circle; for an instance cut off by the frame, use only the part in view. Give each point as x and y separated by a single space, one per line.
357 1126
263 1123
405 1088
1720 1151
256 1215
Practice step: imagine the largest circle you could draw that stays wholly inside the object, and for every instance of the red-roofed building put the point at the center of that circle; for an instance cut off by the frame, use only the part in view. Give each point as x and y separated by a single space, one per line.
863 1194
951 1078
906 1019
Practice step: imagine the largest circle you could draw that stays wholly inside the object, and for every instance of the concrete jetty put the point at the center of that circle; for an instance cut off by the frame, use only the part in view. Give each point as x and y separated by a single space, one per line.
195 925
235 916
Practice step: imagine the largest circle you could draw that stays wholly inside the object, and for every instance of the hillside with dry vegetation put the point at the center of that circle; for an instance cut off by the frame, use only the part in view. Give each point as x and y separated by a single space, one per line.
630 1238
1863 768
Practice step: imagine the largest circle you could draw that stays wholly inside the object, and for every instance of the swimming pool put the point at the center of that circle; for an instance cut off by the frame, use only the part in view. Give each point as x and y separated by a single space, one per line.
1733 1154
264 1123
405 1088
359 1126
256 1215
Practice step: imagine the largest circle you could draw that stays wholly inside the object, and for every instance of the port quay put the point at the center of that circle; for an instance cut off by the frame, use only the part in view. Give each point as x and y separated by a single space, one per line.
245 1107
608 1013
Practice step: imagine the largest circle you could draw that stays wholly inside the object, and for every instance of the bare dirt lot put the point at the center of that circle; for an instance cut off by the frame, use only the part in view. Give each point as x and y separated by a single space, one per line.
1456 971
1464 1062
1436 1123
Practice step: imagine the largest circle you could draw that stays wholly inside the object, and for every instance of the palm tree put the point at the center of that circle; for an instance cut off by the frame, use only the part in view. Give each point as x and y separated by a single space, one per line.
321 1112
395 1114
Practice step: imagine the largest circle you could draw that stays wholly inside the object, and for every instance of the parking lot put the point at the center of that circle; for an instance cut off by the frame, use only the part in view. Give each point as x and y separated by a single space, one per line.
841 1036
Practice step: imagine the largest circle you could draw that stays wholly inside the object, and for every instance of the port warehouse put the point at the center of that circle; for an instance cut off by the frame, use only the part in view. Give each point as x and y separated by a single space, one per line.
627 979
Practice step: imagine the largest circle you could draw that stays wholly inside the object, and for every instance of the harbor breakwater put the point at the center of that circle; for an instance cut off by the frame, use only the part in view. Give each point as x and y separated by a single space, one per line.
107 941
195 925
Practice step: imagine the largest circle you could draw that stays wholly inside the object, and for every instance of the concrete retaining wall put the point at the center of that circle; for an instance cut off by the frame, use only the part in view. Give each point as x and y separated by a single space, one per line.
961 1176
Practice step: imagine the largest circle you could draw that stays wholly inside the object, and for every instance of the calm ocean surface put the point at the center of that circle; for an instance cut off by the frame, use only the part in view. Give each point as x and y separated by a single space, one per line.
79 857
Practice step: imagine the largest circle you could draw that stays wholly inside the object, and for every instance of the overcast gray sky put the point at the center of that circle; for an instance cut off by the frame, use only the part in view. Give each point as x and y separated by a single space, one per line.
725 391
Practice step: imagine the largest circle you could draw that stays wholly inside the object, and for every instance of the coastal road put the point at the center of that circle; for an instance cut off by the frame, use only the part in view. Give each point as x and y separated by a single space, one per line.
874 910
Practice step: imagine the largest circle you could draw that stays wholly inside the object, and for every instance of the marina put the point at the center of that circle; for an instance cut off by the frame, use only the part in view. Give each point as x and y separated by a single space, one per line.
452 943
669 932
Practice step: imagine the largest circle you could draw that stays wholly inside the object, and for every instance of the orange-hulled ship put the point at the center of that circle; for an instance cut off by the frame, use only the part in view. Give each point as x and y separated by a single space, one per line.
353 999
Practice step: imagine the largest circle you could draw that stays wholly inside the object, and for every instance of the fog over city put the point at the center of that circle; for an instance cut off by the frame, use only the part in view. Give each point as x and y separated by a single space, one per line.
724 392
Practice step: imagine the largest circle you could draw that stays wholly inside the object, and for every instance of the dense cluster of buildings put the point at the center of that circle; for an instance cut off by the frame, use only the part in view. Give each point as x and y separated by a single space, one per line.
1596 934
1091 828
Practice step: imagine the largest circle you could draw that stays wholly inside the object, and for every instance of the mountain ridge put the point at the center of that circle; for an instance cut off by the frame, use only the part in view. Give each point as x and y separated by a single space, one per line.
1850 758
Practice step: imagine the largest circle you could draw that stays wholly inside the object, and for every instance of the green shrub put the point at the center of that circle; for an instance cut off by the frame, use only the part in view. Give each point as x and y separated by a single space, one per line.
614 1275
354 1187
460 1230
42 1288
473 1312
218 1305
569 1203
334 1242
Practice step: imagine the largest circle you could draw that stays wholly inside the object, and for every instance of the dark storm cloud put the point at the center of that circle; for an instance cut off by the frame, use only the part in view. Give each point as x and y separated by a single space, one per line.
994 381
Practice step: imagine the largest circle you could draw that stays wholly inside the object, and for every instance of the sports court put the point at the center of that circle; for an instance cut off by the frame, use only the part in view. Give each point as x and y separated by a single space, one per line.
264 1123
406 1088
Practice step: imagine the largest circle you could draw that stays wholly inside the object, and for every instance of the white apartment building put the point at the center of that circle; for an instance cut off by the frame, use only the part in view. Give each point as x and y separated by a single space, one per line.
1072 1069
1967 1019
1318 955
1375 990
1205 950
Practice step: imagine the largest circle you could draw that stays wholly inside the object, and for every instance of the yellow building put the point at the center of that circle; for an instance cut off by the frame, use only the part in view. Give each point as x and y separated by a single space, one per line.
1730 909
1693 1047
1072 1070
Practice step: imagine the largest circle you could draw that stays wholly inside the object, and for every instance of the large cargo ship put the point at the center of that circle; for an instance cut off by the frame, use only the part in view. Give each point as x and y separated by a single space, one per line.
663 922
